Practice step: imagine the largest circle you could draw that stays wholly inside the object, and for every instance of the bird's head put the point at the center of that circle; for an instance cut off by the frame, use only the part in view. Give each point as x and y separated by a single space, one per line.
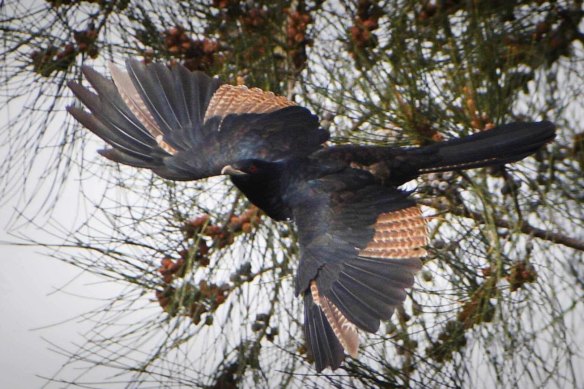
263 184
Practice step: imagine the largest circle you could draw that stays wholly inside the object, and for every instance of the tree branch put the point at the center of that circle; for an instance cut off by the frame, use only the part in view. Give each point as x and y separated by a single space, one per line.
524 227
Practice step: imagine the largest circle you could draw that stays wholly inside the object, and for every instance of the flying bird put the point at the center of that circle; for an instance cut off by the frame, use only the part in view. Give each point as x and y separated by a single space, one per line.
361 237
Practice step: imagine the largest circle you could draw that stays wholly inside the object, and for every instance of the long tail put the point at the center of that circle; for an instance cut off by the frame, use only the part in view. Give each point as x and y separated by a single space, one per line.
507 143
396 165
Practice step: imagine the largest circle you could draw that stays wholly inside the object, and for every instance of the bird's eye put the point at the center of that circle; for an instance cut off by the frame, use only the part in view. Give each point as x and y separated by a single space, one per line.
253 168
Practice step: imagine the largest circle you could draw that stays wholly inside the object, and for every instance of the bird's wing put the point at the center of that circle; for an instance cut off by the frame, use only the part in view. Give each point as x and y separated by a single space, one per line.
360 246
185 125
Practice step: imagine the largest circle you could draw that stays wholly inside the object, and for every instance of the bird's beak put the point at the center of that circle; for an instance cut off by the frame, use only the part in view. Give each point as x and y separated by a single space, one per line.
231 171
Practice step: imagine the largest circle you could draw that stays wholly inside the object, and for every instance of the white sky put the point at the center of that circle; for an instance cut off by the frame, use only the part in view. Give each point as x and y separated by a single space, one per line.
41 297
29 282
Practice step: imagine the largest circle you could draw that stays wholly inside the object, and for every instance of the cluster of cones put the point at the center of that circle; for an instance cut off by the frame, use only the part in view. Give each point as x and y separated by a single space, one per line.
196 54
191 300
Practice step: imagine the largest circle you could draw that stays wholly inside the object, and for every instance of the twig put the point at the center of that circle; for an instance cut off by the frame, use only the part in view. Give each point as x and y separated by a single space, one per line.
524 227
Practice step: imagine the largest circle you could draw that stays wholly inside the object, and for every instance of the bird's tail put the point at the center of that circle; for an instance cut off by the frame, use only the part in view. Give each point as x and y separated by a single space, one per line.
506 143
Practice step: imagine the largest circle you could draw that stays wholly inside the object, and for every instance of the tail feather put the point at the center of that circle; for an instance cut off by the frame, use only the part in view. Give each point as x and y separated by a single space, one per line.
507 143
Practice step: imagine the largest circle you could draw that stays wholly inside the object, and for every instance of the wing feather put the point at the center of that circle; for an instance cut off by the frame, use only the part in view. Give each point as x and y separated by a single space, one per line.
230 99
323 344
184 126
361 245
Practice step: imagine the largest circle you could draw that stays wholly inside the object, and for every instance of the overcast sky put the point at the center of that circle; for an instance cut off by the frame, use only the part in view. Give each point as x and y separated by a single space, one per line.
42 297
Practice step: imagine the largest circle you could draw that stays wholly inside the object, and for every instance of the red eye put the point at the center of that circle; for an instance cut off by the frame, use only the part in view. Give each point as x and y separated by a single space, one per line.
253 169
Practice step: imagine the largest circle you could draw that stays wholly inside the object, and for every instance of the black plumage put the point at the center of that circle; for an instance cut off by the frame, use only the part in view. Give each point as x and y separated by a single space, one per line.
159 118
361 237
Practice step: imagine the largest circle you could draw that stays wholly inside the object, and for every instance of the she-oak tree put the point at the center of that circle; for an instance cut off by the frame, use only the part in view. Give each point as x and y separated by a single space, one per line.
499 294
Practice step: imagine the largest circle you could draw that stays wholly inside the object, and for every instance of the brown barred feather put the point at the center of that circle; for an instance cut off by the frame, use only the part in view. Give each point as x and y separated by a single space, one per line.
238 99
398 234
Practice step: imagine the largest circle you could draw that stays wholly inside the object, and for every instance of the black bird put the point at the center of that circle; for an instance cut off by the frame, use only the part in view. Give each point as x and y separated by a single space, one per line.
361 238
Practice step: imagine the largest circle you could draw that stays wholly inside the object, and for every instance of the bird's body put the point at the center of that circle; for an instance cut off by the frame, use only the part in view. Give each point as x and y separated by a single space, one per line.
361 237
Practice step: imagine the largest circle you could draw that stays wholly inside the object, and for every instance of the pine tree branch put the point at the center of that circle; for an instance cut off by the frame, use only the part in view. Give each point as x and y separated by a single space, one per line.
524 227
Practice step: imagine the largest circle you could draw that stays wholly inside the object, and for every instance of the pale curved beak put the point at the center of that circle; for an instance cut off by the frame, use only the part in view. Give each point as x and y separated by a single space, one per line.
231 171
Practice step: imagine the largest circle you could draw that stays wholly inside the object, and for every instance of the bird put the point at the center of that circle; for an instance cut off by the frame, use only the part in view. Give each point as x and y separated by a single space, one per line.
361 236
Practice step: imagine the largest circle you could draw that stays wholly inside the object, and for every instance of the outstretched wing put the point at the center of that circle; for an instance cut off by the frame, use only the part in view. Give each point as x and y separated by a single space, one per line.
185 125
360 245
